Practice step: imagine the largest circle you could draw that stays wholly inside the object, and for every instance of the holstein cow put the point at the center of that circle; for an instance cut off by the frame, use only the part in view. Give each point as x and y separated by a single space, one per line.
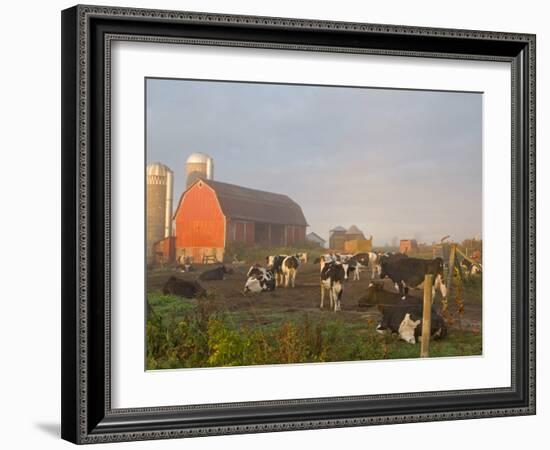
184 264
216 274
183 288
365 260
405 318
289 268
411 271
332 280
254 270
349 266
259 280
274 263
469 268
327 257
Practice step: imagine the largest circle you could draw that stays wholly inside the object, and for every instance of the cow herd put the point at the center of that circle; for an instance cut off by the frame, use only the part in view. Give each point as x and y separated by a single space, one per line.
401 312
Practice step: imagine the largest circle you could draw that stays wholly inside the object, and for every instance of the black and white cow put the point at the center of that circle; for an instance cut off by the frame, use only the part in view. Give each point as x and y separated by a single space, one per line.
216 274
289 269
183 288
410 272
184 264
469 268
275 263
332 276
349 265
405 319
255 270
364 261
259 279
325 258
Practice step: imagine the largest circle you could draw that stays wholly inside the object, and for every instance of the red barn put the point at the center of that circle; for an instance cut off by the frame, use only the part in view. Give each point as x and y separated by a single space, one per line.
211 214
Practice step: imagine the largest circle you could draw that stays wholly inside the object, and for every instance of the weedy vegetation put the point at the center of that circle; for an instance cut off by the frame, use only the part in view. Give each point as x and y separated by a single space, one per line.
185 333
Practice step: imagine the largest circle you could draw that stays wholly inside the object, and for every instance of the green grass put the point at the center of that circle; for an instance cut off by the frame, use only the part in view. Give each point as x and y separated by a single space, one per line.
473 288
190 333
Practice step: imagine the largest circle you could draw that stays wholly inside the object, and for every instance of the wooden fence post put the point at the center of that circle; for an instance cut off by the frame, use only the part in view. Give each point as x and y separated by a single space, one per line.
452 258
426 316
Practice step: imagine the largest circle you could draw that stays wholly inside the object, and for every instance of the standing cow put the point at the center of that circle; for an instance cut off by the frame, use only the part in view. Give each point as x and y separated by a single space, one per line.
332 280
410 272
289 269
274 263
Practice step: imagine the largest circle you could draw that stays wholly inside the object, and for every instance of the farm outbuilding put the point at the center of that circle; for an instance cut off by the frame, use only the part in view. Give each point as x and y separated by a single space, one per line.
211 214
337 238
316 239
351 240
408 246
358 245
354 233
164 251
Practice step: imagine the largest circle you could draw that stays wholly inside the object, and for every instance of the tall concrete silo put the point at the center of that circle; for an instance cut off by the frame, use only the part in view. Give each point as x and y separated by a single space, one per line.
160 186
199 165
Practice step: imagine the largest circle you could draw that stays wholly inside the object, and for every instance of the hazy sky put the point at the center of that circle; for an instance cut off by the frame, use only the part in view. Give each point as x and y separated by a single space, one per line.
396 163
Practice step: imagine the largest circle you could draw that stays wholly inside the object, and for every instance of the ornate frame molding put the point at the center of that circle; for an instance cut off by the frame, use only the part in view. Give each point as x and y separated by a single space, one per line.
79 417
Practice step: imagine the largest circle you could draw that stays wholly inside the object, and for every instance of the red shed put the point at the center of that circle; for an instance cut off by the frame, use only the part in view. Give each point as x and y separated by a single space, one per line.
164 251
211 213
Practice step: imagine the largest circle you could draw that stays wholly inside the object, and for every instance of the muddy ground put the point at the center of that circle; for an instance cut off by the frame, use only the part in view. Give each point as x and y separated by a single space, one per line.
305 297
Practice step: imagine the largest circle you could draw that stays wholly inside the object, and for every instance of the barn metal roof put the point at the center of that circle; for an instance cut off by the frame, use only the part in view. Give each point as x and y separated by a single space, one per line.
339 228
238 202
354 230
314 235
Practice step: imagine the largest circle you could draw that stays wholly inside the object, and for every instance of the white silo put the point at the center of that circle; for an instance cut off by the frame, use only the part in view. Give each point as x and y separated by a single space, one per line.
160 185
199 165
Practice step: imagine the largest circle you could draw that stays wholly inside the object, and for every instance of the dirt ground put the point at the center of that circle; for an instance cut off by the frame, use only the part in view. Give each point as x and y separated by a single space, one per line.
305 297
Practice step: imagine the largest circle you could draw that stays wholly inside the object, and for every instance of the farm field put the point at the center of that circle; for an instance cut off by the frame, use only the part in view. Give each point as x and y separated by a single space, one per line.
228 328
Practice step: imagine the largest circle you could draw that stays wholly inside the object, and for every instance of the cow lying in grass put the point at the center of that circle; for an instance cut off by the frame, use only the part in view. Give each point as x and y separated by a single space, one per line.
259 280
469 268
376 295
216 274
405 319
183 288
401 314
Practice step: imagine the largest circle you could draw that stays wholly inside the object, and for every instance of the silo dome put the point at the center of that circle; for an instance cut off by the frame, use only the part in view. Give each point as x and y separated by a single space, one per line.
198 158
157 169
199 165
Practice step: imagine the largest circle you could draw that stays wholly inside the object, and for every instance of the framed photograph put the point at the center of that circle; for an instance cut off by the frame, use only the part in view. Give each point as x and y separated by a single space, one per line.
277 224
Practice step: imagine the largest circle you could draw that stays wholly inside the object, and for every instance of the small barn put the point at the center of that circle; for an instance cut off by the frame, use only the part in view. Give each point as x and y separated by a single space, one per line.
337 238
354 233
164 251
211 214
314 238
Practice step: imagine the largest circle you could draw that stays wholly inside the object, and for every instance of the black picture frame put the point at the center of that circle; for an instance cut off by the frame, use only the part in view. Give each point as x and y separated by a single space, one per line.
87 416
